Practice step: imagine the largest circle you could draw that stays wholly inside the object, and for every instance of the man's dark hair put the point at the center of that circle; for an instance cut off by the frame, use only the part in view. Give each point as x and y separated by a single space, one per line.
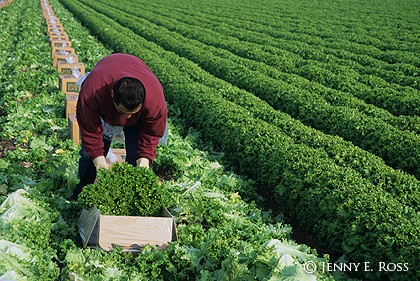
129 92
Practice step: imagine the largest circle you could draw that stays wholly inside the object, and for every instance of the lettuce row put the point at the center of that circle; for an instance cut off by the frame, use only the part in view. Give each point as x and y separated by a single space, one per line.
370 133
220 236
25 228
379 49
400 184
31 131
297 171
337 84
344 153
53 161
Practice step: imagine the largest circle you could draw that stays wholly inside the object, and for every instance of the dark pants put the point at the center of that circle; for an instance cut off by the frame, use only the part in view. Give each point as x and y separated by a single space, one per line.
87 170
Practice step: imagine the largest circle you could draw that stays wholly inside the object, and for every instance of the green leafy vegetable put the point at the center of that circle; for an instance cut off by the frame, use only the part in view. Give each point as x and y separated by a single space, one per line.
124 191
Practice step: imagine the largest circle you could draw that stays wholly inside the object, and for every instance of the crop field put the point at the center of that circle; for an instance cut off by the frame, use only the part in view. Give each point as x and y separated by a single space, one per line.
293 150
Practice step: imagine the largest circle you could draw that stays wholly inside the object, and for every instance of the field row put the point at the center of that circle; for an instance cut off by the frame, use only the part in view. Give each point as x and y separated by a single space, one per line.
328 111
286 65
302 40
221 237
327 198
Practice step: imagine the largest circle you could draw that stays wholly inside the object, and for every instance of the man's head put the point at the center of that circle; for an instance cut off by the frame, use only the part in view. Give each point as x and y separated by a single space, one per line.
128 95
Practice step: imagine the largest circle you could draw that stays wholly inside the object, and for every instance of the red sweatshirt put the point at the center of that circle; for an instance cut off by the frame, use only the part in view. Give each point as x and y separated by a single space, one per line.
95 101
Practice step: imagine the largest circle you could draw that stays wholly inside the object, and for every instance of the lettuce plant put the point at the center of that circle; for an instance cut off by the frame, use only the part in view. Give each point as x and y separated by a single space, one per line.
124 190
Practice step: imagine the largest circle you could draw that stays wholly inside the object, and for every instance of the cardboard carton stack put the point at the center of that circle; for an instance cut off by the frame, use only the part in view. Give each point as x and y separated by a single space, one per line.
96 230
69 69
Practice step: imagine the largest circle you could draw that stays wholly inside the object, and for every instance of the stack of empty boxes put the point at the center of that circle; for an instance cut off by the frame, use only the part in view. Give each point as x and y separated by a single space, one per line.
131 233
69 68
69 72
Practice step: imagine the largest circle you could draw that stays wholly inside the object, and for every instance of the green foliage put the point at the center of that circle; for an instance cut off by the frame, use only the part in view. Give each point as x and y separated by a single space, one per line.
328 110
124 191
91 264
25 228
19 262
303 177
347 197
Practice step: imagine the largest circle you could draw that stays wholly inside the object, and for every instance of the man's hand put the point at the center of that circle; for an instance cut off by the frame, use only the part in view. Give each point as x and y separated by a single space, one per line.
100 162
143 162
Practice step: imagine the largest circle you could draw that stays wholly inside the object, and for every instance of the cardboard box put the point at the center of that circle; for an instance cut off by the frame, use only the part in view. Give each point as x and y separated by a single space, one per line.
115 155
55 37
74 130
47 12
51 19
69 58
131 233
62 51
71 103
54 25
68 83
60 43
67 68
57 32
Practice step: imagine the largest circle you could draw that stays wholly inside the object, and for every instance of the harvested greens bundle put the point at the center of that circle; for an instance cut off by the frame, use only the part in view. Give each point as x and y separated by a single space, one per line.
124 190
